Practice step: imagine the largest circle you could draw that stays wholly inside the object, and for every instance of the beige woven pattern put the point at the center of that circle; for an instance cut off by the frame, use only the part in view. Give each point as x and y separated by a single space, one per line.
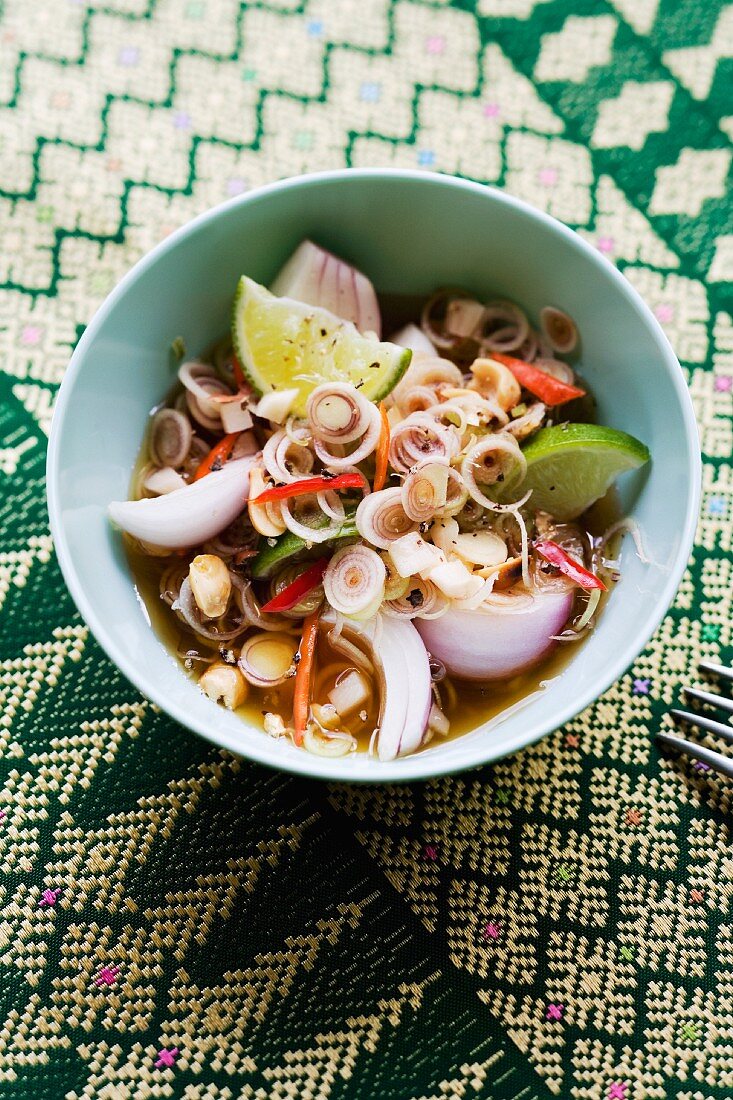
175 923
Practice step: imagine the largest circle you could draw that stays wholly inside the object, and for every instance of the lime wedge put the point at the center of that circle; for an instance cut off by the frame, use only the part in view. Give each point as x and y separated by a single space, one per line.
572 465
284 344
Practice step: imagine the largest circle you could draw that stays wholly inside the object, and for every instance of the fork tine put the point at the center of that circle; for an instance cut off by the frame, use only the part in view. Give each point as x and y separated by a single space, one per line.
698 752
709 697
719 728
716 670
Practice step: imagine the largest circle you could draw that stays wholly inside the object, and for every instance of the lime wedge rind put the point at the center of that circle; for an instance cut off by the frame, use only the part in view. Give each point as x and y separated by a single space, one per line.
570 466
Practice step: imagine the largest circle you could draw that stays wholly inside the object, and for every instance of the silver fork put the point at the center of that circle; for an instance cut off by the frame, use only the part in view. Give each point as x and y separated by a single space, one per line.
716 760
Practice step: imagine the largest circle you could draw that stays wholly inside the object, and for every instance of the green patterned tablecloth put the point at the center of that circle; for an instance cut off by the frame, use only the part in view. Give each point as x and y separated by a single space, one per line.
178 923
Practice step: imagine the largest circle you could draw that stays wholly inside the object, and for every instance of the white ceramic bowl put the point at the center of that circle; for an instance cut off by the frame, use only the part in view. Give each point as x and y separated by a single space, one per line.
410 232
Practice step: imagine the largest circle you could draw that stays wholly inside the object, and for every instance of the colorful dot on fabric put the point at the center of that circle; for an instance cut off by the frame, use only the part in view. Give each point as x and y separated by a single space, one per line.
236 186
435 44
563 873
605 244
182 121
195 9
502 795
370 92
430 852
491 110
2 814
129 56
166 1059
426 158
49 898
302 139
710 632
723 383
572 740
555 1012
627 954
107 975
689 1033
701 766
547 176
617 1091
31 334
633 817
697 896
716 506
491 931
60 101
315 28
641 687
44 214
664 313
248 74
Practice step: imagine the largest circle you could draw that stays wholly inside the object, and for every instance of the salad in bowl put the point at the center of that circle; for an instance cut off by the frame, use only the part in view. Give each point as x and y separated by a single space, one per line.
367 544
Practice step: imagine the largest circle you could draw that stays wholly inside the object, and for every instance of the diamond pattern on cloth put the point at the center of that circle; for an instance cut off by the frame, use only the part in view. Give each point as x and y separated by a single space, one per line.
175 922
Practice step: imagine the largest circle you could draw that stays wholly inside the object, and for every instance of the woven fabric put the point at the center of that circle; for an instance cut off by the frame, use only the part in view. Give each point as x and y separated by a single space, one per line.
178 923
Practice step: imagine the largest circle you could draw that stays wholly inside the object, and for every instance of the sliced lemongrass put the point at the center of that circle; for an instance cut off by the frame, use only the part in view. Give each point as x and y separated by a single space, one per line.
294 513
425 490
559 328
381 518
419 436
496 458
354 581
170 437
285 460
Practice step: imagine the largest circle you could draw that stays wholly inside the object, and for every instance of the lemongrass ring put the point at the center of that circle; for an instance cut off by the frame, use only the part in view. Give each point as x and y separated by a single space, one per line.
381 518
423 600
285 460
493 459
427 371
268 659
524 425
250 607
416 399
559 328
354 581
504 327
433 316
305 531
420 436
337 413
170 438
362 450
424 490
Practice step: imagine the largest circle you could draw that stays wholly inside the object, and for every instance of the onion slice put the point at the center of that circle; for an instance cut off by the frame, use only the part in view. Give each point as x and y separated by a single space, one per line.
506 638
190 516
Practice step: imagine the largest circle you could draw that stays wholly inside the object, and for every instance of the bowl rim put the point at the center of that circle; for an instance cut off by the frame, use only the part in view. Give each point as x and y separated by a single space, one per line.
420 766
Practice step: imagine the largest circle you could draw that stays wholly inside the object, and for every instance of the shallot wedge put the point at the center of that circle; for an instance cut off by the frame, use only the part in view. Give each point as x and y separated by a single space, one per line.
319 278
402 665
496 644
189 516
